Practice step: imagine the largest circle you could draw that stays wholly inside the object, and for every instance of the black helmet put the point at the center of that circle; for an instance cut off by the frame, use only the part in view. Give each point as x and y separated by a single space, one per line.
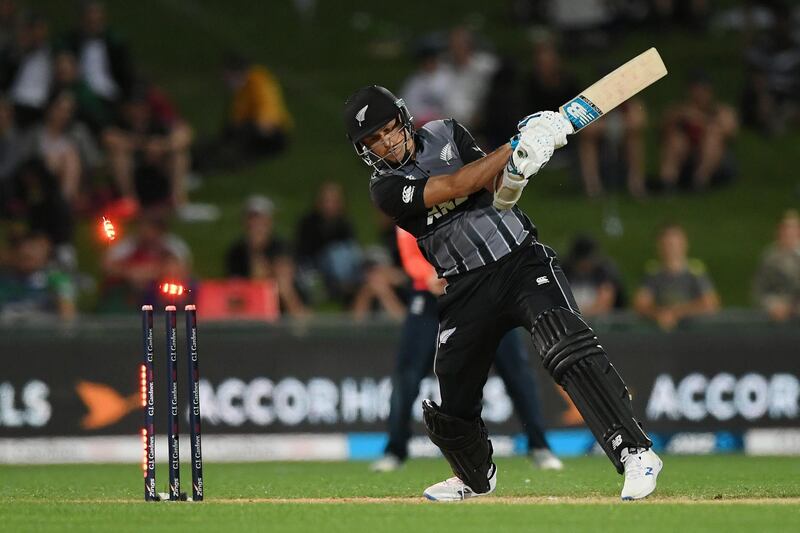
367 111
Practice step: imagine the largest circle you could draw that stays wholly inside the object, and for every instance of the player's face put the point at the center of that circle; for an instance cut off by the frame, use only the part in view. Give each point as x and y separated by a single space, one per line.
391 142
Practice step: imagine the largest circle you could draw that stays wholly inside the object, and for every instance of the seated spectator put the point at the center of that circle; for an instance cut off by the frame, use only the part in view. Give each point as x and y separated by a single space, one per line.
675 288
425 92
771 99
695 151
326 246
9 22
594 279
386 284
90 109
35 198
777 282
549 84
148 158
614 147
9 148
30 287
503 106
258 121
51 142
469 72
325 243
26 70
104 58
261 255
134 266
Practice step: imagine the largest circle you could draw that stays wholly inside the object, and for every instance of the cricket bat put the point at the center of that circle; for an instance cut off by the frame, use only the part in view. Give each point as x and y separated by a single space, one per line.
614 88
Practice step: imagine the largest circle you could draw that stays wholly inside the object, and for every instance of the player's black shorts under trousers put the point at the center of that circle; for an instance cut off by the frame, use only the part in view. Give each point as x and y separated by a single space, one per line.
480 307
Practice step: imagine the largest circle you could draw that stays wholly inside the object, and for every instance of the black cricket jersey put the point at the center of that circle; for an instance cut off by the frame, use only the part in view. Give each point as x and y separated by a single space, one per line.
459 235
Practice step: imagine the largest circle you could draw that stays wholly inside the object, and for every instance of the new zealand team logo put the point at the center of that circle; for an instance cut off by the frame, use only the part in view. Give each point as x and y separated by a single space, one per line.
362 113
447 153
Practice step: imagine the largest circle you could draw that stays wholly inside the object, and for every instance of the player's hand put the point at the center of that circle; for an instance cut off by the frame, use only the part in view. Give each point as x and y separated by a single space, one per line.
531 150
548 123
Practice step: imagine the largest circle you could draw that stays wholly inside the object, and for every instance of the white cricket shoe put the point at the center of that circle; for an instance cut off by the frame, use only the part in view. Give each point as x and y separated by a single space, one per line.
641 471
388 463
455 490
546 459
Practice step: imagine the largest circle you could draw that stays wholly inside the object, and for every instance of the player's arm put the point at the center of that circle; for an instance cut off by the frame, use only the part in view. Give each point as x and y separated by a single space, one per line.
468 179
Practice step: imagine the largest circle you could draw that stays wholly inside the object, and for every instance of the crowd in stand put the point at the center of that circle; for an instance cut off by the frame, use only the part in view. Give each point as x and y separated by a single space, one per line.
81 128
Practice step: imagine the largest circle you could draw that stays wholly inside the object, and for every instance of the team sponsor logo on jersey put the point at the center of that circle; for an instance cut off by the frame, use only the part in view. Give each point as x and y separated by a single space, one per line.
440 210
541 280
447 153
446 334
408 194
361 114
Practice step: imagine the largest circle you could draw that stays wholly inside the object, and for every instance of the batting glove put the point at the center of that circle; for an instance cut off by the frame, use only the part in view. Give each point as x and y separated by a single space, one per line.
549 123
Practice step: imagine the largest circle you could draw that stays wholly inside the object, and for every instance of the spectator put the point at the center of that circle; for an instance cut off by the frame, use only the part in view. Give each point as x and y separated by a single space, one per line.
612 147
326 243
425 92
503 106
90 109
9 23
385 284
149 159
695 150
675 287
133 266
469 72
51 142
771 99
260 255
26 71
104 59
326 246
35 197
9 148
777 282
549 85
258 121
594 279
30 287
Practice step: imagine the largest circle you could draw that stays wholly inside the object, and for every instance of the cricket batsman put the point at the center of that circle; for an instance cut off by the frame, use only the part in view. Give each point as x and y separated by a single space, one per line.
460 204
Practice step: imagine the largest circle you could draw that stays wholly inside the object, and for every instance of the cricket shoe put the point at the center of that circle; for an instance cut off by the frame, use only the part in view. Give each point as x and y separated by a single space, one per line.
544 459
455 490
642 466
388 463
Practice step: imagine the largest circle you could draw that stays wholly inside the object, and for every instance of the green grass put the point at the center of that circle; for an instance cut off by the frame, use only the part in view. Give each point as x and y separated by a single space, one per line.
320 61
694 494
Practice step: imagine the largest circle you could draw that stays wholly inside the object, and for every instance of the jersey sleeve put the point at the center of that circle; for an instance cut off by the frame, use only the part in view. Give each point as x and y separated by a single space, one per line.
465 143
398 196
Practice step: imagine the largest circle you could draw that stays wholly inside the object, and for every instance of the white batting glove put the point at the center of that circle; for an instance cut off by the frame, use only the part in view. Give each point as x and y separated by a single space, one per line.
549 123
531 151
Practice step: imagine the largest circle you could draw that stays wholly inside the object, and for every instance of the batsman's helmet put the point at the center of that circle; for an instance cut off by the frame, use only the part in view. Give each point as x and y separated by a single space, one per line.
367 111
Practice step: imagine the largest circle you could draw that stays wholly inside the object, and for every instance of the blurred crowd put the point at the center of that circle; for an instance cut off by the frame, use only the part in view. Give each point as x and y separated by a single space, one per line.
84 132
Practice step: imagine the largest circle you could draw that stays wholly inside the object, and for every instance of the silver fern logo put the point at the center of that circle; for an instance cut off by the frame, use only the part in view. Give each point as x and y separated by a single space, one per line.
447 153
361 114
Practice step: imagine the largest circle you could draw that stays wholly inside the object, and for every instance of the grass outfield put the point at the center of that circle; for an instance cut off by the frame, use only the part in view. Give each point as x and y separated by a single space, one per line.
731 493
